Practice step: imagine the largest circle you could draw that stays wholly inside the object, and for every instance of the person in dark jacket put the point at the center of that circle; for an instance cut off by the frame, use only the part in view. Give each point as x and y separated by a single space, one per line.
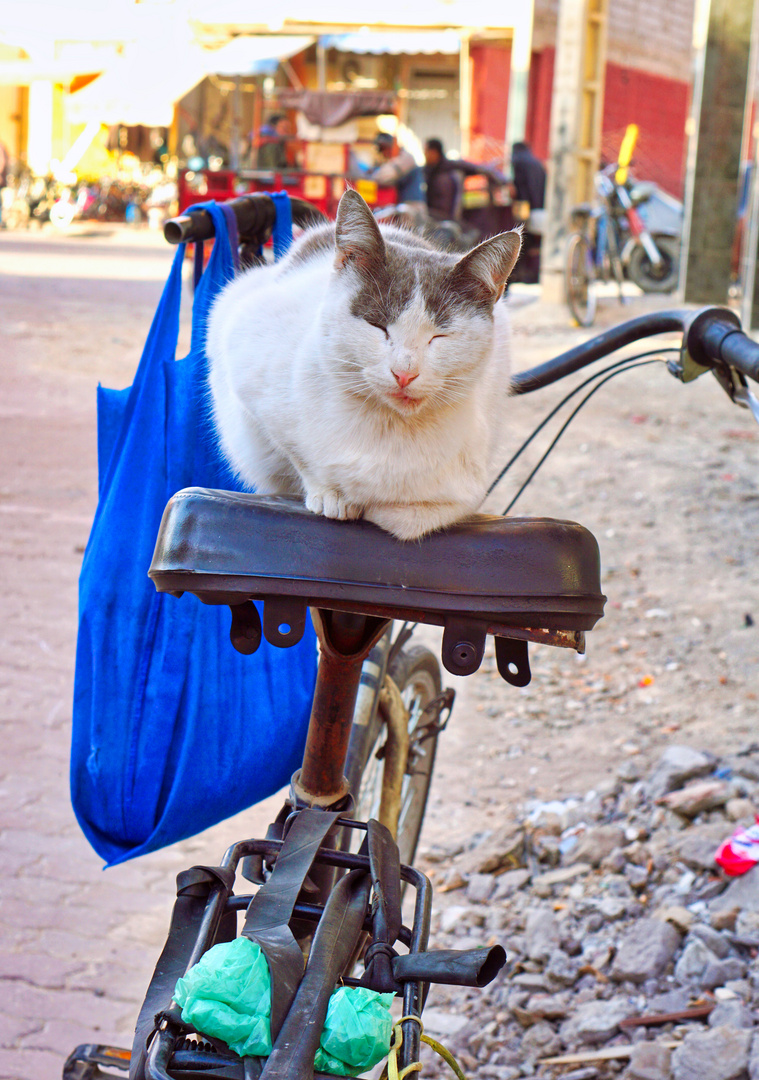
529 187
529 176
272 152
443 185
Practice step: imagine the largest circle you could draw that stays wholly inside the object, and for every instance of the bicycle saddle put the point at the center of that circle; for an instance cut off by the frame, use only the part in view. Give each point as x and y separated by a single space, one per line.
520 578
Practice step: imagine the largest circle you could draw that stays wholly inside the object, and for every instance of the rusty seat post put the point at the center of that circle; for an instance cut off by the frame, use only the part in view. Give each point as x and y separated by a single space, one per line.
345 640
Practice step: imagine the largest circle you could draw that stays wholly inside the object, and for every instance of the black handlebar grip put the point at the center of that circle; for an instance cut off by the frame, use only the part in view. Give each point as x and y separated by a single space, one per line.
715 337
255 215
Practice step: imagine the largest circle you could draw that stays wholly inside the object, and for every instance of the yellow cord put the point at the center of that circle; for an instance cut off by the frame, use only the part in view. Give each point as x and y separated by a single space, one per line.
391 1069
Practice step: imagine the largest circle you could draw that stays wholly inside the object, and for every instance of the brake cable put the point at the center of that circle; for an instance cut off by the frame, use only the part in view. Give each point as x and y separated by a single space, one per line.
620 366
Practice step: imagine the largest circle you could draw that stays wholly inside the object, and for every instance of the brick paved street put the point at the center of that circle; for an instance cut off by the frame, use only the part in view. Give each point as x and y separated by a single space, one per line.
73 310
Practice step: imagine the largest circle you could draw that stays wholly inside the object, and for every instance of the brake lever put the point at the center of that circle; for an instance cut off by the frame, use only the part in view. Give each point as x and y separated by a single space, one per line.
737 389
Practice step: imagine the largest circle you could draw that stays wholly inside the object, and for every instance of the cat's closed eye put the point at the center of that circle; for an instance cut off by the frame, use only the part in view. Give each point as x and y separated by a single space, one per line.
379 327
435 338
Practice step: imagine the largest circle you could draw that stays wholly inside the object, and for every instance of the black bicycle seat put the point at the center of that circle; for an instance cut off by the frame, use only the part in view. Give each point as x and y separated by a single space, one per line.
529 578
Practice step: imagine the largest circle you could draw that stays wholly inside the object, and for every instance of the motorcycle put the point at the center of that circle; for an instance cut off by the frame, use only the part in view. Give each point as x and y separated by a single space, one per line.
647 224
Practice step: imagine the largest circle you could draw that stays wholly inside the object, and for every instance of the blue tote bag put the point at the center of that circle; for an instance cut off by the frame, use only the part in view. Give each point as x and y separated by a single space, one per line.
173 730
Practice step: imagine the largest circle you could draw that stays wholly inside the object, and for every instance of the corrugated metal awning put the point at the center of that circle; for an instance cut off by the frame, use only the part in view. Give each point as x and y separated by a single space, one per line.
408 42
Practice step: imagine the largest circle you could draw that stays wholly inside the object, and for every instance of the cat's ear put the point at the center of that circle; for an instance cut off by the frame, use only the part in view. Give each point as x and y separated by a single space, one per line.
358 241
482 274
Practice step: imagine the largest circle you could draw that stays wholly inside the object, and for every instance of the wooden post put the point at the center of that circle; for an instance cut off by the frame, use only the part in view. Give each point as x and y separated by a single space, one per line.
711 195
519 76
750 237
465 95
575 138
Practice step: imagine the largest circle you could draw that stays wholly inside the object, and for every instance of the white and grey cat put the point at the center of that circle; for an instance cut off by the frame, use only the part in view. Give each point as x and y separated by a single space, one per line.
367 373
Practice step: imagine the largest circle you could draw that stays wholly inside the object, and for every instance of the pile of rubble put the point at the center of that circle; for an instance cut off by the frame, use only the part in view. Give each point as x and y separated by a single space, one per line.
630 952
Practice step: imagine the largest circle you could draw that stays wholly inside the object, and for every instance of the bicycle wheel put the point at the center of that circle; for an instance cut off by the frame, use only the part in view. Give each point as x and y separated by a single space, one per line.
416 673
581 293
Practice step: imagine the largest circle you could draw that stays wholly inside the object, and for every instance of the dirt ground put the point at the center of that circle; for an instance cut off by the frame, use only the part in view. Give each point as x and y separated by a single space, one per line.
666 476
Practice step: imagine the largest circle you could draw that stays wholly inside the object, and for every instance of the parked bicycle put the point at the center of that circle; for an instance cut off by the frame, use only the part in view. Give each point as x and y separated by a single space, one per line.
613 241
330 873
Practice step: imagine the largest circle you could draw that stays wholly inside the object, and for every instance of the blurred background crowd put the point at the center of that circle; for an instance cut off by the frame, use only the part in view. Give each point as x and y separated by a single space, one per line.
457 118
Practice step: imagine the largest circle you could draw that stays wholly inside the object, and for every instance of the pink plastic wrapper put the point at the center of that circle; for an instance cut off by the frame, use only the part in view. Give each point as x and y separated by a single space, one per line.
741 852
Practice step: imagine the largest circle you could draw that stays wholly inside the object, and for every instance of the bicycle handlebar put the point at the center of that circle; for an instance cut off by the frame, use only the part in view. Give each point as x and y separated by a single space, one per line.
712 338
255 217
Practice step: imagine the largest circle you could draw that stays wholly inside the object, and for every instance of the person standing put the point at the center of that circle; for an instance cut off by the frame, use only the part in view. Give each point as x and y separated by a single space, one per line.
398 170
529 176
5 169
443 185
529 187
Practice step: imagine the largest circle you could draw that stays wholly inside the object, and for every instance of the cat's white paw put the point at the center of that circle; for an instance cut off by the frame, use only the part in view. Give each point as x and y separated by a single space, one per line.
332 504
415 521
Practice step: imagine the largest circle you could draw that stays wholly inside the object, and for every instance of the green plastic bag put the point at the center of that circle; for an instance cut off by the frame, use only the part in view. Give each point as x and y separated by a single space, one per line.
227 996
356 1032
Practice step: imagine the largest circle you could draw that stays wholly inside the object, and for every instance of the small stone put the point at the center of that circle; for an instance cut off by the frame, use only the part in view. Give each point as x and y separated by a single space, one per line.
596 1021
615 862
743 765
731 1013
741 894
540 1041
718 972
740 810
693 961
637 876
453 879
724 920
531 980
629 771
612 908
451 917
649 1061
504 850
679 916
547 1006
562 969
718 944
719 1054
596 844
676 765
442 1023
696 798
510 882
670 1001
480 888
753 1061
541 934
562 875
697 847
645 951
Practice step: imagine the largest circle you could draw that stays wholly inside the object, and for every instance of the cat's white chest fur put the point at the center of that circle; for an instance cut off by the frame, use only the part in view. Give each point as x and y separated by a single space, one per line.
366 373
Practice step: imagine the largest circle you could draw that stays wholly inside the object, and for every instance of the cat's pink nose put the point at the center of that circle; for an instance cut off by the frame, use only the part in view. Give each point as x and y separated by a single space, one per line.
403 378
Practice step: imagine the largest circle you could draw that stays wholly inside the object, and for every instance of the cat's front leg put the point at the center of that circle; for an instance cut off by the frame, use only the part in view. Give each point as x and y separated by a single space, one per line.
331 503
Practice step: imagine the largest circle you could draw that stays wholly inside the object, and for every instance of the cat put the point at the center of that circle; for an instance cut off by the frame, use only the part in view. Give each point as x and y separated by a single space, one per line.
366 373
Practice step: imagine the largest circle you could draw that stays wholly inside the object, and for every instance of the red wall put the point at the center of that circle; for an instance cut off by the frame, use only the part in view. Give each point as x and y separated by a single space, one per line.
659 107
538 126
491 66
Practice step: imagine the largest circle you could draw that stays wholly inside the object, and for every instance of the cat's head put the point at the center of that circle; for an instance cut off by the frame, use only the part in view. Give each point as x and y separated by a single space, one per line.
411 327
